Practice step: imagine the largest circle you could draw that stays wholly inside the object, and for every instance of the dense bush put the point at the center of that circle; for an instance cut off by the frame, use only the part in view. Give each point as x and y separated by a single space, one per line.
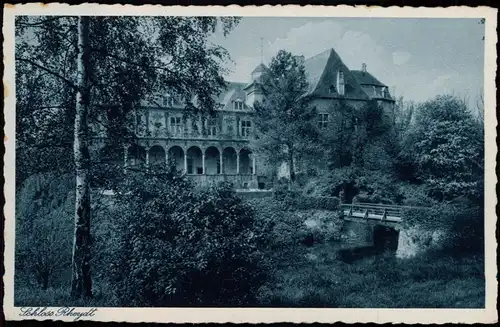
44 229
353 184
446 144
301 202
462 224
287 223
179 247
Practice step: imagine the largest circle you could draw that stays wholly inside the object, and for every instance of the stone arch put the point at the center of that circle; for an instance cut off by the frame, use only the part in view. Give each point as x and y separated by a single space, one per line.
385 238
157 156
212 161
176 157
194 160
136 156
229 161
246 166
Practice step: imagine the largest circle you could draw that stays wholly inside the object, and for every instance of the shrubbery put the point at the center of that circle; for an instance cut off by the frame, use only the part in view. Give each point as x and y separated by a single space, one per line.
44 229
292 219
179 247
461 223
297 200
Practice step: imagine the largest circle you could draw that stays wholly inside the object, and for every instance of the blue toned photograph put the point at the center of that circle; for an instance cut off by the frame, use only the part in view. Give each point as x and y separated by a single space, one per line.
283 162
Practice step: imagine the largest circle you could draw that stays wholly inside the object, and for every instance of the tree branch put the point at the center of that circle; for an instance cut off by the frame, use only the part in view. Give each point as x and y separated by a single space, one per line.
107 54
41 22
55 74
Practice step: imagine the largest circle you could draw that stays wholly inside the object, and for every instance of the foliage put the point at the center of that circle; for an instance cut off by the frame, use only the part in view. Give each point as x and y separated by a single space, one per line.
447 145
132 58
285 122
358 136
44 227
462 224
179 247
295 219
99 69
311 202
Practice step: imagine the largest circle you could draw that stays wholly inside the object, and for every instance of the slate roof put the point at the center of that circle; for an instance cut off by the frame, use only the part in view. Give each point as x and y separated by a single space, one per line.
321 72
365 78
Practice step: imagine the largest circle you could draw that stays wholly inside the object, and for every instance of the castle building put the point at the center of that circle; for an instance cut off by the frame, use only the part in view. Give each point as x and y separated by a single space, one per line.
214 149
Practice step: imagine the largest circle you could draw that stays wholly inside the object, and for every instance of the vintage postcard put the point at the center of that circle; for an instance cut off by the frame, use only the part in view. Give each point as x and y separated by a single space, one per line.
250 164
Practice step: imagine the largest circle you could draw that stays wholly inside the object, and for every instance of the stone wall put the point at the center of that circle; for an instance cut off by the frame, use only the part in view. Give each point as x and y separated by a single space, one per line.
416 240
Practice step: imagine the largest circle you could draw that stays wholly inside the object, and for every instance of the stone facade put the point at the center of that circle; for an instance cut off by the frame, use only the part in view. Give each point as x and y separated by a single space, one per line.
216 148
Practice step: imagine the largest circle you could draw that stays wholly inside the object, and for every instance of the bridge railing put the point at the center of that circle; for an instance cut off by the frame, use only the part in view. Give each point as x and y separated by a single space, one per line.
375 211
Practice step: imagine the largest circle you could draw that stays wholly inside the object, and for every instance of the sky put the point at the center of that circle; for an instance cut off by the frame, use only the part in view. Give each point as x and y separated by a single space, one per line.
418 58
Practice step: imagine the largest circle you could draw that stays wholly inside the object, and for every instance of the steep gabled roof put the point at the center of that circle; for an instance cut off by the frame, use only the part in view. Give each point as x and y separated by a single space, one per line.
321 72
314 68
365 78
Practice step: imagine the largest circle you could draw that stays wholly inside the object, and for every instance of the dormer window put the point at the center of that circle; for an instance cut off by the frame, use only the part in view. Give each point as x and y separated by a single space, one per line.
332 89
168 101
340 83
171 99
238 105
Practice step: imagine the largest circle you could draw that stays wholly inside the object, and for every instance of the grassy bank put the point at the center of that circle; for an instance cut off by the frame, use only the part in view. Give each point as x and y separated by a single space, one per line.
315 277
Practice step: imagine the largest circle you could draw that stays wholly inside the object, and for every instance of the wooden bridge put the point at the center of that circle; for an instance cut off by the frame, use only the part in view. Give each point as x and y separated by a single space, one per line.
372 212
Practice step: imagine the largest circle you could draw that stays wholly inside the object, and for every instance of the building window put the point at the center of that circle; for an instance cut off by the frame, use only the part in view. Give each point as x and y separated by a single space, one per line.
323 120
176 125
212 127
190 165
238 105
168 101
171 99
340 83
246 128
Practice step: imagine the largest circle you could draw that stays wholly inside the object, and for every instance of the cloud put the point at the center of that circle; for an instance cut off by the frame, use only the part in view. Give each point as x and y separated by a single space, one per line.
400 57
354 47
397 69
308 39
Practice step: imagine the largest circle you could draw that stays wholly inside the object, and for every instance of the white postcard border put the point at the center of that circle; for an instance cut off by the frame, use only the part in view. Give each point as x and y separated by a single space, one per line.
263 315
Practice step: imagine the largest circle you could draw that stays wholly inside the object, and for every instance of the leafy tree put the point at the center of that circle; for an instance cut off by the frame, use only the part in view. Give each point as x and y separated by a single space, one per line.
359 146
92 64
180 247
447 145
43 232
285 121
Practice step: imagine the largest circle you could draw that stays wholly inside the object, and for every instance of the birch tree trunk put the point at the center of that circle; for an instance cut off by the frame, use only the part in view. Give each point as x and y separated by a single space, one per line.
81 282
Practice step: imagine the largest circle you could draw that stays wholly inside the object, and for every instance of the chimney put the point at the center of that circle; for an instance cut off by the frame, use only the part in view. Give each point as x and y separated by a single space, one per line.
363 67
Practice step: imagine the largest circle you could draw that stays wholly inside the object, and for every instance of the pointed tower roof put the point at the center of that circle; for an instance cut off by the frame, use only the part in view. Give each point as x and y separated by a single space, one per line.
321 72
261 68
